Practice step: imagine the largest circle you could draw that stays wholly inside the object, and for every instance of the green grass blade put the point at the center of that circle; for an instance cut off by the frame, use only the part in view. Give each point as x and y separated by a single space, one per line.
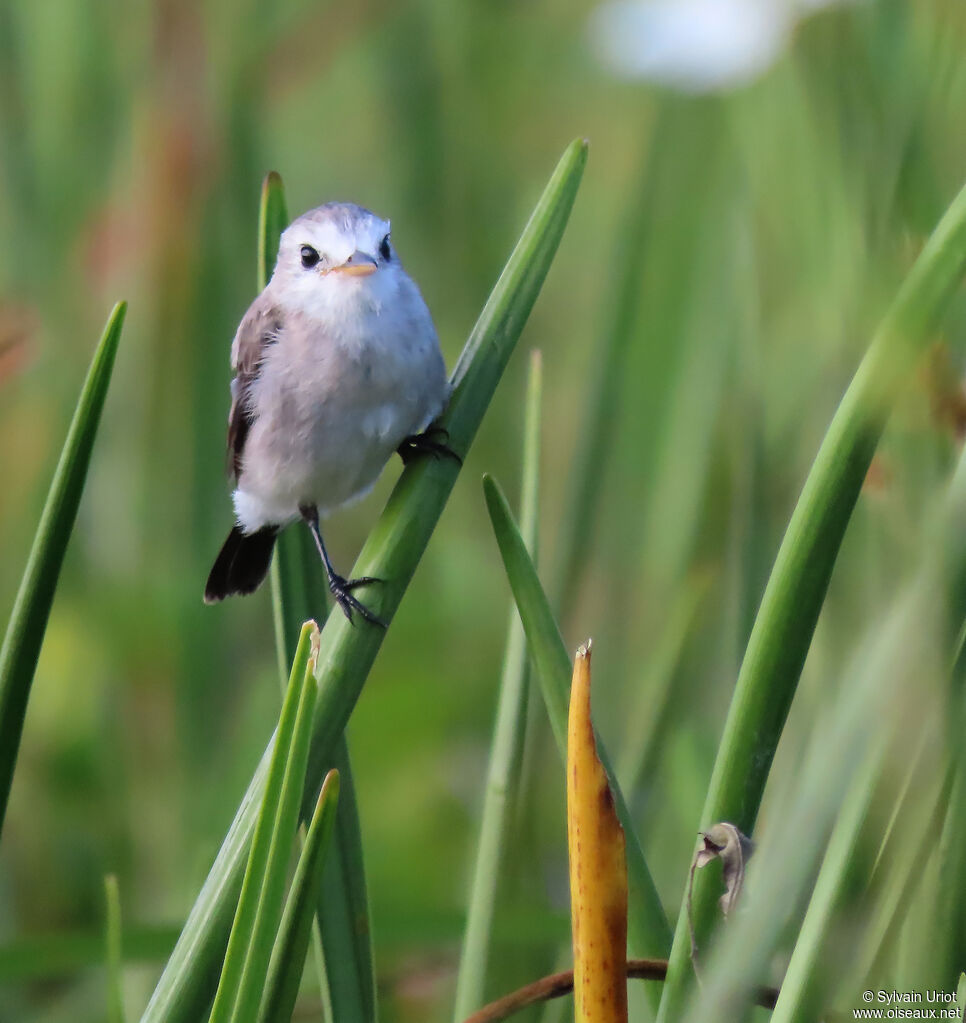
950 929
298 591
272 896
291 580
648 928
506 749
115 995
805 986
28 620
896 879
272 221
263 854
783 866
342 908
291 945
595 437
647 717
293 584
392 553
343 939
949 935
795 592
888 686
297 594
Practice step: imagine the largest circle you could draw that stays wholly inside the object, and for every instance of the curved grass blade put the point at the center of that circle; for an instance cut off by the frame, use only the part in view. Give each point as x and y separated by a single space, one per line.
256 919
911 646
648 928
343 938
291 945
392 553
795 592
115 997
507 746
28 620
791 849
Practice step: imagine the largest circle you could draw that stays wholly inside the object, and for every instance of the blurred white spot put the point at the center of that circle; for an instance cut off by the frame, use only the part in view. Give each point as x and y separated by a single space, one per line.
695 45
806 7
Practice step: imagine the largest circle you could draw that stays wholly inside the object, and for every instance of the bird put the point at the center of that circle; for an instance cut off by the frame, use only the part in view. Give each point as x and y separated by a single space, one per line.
337 365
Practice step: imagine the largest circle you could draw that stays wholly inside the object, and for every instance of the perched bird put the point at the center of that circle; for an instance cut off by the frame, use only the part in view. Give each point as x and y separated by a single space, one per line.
337 365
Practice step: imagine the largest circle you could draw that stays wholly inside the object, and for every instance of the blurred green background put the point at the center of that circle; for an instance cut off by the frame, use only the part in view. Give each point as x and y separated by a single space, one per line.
728 258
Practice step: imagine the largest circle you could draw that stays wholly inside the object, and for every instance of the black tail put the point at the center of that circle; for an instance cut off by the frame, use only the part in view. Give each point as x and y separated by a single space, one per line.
242 563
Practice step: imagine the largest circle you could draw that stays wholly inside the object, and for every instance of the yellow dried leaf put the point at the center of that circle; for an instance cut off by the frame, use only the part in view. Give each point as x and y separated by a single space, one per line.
598 868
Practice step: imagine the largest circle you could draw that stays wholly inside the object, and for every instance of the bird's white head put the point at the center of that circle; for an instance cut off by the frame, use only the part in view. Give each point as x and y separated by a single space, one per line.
336 258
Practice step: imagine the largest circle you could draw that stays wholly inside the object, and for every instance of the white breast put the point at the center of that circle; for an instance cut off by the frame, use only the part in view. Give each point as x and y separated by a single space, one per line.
347 380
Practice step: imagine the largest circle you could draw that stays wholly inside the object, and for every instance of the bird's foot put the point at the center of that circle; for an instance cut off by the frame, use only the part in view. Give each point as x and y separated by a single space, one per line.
341 590
432 441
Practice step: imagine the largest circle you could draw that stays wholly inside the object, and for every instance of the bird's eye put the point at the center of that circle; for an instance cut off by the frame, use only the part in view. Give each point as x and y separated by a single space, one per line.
309 257
384 249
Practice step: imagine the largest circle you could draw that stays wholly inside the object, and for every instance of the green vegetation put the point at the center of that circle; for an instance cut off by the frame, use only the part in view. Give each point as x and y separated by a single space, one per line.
756 513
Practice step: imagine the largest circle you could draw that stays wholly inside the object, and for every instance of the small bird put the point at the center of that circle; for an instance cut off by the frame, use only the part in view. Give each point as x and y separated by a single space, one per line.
337 365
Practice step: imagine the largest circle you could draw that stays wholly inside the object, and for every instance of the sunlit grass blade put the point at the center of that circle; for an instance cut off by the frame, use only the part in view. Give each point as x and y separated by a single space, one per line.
345 969
28 620
648 928
506 748
795 592
391 553
292 942
112 934
260 903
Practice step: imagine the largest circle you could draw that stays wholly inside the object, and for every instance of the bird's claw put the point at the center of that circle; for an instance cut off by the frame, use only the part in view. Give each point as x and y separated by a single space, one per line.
341 590
432 441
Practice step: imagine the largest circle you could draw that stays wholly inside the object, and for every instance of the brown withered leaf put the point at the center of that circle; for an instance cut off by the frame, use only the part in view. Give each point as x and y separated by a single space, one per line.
878 479
946 393
726 843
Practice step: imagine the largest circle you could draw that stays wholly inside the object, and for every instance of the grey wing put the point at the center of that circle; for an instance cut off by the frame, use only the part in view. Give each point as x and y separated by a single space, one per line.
258 331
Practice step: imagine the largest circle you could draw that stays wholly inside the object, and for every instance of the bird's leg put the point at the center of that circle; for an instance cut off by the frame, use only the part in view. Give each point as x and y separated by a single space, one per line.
340 587
432 441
